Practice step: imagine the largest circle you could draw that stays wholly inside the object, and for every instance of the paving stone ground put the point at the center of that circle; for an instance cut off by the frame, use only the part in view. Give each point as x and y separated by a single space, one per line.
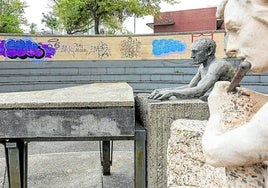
75 165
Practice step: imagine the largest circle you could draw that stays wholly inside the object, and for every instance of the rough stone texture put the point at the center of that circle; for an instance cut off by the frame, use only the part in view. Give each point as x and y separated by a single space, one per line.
186 163
90 95
246 176
157 118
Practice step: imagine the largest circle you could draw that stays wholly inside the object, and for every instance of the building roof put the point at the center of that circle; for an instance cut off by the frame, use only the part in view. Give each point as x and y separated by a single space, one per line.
202 19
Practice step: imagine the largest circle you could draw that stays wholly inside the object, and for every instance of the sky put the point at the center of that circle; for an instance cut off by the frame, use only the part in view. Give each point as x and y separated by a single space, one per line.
33 13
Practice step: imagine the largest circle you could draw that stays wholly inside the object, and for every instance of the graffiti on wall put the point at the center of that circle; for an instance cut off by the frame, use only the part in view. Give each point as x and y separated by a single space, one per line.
25 48
56 43
130 48
164 47
102 49
53 48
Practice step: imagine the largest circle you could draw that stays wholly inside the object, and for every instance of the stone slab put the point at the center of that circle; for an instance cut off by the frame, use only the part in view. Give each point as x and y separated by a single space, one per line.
157 117
90 95
186 163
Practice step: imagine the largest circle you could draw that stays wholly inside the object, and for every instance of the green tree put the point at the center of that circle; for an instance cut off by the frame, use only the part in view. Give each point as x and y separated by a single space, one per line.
51 21
72 15
33 28
11 16
77 15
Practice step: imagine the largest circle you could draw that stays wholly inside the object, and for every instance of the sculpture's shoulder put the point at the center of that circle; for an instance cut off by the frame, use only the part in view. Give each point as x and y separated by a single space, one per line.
222 62
224 68
218 63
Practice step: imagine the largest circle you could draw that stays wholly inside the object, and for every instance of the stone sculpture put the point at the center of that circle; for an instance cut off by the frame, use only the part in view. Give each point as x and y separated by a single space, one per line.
237 131
210 71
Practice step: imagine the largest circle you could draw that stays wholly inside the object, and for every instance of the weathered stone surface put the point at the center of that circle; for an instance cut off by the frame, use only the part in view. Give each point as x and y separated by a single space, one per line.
157 118
90 95
185 161
94 110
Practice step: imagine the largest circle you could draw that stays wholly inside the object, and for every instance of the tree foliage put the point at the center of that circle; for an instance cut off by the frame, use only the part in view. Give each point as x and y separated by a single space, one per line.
11 16
72 15
33 28
78 15
50 21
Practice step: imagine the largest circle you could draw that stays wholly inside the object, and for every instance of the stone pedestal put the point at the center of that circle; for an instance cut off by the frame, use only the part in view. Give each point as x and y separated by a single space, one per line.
157 117
185 161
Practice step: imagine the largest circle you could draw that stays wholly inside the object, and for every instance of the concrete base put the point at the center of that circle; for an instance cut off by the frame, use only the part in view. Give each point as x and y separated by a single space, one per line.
157 117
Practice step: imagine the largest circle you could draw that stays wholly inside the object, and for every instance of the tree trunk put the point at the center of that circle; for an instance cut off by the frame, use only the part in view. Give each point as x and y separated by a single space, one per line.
96 26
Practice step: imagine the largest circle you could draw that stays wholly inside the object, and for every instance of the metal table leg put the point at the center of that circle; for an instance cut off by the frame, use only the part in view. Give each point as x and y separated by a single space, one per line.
106 156
17 160
140 157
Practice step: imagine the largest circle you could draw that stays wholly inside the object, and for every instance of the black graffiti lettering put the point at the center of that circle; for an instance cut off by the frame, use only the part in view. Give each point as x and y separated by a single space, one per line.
55 42
130 48
102 50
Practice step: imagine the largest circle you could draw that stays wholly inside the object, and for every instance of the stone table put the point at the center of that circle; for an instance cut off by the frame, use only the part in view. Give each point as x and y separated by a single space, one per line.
100 111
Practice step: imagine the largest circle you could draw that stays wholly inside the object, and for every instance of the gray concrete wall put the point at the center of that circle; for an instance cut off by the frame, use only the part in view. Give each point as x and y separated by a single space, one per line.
143 76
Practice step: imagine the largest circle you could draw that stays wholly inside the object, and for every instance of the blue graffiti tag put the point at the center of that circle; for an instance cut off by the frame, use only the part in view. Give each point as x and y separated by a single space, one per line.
25 48
167 46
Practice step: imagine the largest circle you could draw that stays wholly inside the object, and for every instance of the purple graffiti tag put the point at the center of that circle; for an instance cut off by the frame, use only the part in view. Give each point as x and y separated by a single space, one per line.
2 47
25 48
50 51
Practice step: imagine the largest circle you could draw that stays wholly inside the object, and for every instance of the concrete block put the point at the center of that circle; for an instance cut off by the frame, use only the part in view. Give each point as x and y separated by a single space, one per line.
157 118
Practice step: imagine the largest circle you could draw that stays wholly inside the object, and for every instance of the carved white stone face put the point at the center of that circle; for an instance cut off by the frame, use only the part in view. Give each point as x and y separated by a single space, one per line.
248 32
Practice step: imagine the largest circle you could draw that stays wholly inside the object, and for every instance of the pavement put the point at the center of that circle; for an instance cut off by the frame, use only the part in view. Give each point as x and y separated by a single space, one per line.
75 165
